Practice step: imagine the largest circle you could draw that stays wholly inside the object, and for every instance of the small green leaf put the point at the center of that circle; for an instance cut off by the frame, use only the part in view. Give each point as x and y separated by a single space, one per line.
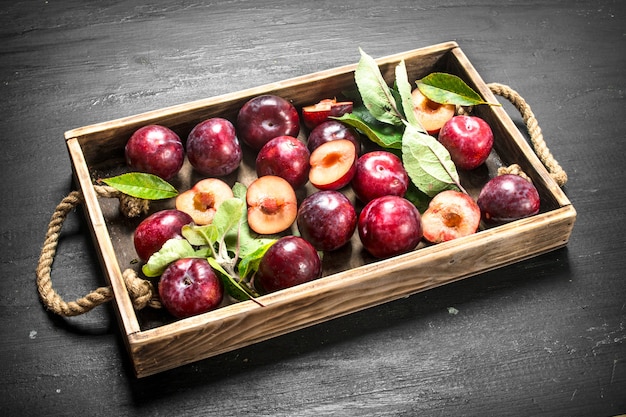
404 89
250 262
171 251
240 190
375 93
445 88
382 134
427 162
142 185
228 215
250 243
232 287
200 235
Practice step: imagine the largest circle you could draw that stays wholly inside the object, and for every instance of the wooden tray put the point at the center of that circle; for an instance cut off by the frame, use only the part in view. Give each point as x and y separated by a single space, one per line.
352 280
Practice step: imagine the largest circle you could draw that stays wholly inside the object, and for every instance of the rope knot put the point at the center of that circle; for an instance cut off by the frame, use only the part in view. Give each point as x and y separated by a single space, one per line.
142 292
515 170
132 206
536 136
129 206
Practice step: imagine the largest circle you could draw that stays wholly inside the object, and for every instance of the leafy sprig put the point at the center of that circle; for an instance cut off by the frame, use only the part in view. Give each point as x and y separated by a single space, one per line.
377 96
386 117
228 243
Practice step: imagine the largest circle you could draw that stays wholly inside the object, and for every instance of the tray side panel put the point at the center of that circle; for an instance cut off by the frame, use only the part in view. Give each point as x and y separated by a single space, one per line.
102 240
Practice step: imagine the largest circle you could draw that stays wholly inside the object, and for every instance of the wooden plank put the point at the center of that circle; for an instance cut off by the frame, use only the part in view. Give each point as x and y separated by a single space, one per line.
102 240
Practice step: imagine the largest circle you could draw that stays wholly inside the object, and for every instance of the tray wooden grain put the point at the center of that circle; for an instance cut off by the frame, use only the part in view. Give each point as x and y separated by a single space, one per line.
352 280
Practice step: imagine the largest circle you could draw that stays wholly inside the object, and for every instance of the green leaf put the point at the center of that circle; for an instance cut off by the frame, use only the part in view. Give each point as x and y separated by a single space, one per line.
427 162
240 190
404 89
142 185
200 235
171 251
250 262
382 134
445 88
375 93
228 215
250 243
232 287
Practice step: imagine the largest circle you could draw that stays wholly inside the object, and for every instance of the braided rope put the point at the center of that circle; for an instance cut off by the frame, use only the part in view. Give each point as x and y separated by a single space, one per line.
141 291
536 136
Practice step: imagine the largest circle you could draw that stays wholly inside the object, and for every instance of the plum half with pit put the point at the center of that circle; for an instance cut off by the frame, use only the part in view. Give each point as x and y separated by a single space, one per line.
506 198
290 261
213 148
189 286
389 226
431 115
203 199
333 164
272 205
451 214
326 219
155 149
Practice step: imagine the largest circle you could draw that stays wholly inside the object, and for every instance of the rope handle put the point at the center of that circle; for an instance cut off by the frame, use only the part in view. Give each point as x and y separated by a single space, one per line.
142 292
536 136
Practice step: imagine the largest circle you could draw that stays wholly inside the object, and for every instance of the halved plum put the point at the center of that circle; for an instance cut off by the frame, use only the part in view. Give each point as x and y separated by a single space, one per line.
318 113
333 164
272 205
202 200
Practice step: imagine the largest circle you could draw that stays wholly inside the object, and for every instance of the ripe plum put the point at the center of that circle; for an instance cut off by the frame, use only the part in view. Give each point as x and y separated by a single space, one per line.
469 140
332 130
389 226
265 117
158 228
189 286
286 157
288 262
327 219
156 150
213 148
379 173
506 198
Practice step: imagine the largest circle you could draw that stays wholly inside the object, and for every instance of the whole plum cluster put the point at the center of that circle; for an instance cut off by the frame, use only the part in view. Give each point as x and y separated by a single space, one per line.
331 160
